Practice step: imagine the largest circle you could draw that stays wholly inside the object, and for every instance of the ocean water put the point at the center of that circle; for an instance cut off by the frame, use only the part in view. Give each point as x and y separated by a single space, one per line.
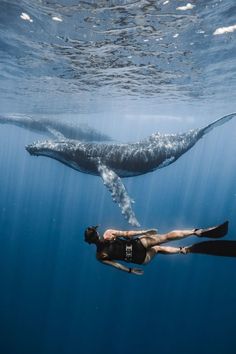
126 69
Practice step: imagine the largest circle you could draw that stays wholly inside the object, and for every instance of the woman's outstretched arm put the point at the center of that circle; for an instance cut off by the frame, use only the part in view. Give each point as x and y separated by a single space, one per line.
112 234
120 266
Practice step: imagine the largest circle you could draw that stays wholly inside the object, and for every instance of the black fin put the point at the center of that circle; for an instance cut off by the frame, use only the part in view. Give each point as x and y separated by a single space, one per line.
215 232
215 248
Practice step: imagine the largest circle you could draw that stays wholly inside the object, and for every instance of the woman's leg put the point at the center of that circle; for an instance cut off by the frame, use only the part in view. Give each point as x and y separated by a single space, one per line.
152 251
153 240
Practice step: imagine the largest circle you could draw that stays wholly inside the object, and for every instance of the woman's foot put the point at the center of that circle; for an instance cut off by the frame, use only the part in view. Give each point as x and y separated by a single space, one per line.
213 232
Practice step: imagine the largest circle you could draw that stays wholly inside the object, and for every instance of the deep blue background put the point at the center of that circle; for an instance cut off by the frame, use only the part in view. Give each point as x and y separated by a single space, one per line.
128 69
56 298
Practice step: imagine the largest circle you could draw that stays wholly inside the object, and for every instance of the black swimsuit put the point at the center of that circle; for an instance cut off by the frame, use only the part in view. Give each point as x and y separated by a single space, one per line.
121 249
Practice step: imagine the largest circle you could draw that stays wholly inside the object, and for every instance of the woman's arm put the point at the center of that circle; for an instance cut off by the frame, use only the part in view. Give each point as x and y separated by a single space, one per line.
120 266
112 234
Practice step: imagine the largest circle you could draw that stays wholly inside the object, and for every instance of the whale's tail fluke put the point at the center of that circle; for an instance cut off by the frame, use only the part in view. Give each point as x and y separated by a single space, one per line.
217 123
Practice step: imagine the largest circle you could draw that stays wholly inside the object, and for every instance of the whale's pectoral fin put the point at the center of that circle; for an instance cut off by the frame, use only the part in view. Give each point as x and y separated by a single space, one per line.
118 192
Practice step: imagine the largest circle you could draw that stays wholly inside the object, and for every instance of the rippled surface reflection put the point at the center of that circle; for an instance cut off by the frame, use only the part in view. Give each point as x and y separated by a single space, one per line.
143 49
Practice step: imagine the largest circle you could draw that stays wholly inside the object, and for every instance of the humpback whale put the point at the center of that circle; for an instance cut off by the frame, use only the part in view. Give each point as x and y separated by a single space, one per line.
114 161
54 128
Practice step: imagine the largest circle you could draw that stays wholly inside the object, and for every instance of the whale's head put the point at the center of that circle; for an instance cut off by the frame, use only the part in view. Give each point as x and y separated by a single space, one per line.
46 148
70 152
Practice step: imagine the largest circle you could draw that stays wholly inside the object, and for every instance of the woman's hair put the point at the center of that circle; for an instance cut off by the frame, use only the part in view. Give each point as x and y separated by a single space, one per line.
91 234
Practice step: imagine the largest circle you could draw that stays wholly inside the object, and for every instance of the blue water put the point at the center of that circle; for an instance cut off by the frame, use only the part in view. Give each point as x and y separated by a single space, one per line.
119 67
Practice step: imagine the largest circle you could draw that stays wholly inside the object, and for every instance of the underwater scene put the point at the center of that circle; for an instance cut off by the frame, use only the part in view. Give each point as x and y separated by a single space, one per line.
117 136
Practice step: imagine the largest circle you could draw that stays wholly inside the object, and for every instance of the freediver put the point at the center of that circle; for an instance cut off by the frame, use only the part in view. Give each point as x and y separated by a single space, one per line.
140 247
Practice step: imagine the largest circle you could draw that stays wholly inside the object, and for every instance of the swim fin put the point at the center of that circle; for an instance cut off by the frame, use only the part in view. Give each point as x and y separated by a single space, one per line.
213 232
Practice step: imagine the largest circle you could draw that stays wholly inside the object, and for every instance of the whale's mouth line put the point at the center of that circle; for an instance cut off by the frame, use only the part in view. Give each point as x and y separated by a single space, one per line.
35 150
32 150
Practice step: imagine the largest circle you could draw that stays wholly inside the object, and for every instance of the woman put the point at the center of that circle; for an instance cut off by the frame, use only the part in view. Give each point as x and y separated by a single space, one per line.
139 247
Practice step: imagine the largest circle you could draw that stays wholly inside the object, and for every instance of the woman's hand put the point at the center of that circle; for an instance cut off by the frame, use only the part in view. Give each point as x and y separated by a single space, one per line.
136 271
